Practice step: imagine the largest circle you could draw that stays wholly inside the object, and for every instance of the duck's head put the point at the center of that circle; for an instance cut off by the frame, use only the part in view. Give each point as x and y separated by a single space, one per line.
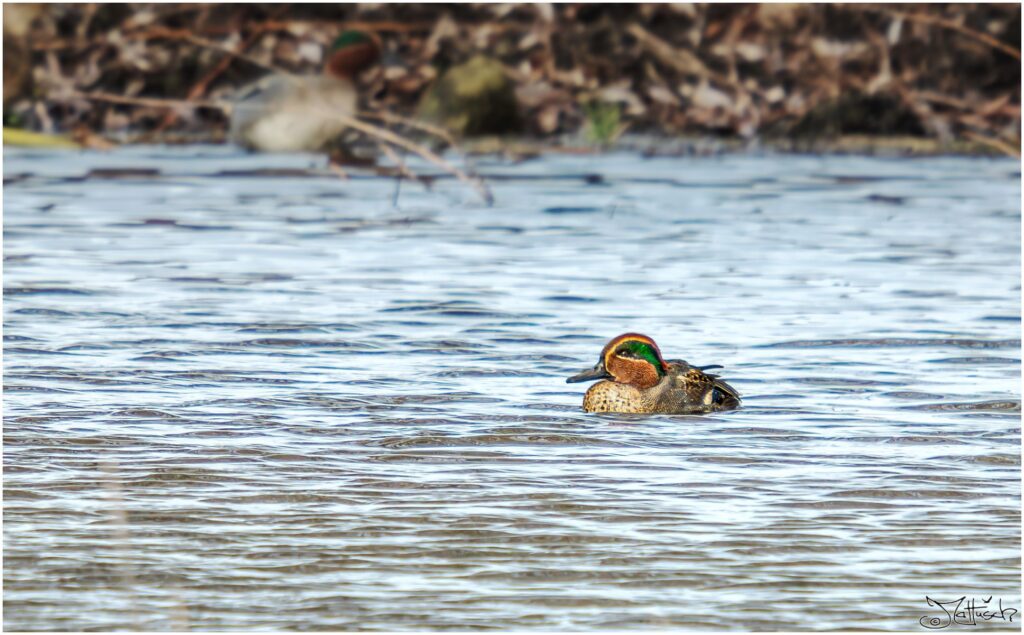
630 358
351 53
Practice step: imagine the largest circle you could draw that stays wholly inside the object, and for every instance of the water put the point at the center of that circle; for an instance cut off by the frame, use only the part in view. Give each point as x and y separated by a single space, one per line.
258 400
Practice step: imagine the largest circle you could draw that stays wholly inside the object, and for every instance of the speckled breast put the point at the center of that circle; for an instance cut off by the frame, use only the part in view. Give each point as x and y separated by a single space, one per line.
608 396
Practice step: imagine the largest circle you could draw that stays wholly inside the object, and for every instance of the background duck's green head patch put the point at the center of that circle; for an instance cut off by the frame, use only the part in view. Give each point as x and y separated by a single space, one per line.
350 38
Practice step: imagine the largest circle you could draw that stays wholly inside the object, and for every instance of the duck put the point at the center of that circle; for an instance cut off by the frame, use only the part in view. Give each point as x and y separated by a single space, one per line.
635 378
298 113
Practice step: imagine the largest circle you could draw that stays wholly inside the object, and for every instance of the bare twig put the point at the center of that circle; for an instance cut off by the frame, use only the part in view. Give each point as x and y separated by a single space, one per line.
403 170
337 169
937 125
386 135
999 144
381 26
412 123
939 98
681 60
932 20
155 102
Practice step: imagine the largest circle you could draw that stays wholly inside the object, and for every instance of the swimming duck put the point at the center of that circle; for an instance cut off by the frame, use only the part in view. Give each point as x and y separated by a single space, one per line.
296 113
636 378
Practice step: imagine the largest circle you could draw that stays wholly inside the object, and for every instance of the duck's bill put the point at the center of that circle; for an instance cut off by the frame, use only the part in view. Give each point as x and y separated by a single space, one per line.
597 372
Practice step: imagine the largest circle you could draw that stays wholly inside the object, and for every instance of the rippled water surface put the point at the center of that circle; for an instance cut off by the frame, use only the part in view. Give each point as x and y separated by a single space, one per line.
243 397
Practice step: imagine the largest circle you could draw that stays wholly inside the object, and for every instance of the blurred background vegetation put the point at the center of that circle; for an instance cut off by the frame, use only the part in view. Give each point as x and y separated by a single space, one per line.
946 73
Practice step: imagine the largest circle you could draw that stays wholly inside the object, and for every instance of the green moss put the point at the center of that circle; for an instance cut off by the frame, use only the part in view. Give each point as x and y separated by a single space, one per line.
604 122
471 99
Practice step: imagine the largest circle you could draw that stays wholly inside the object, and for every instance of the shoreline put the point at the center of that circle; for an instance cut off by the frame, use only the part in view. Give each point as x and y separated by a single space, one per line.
893 146
688 79
646 144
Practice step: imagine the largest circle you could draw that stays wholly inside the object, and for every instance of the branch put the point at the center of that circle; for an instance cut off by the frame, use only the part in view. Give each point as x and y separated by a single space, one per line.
402 169
941 22
412 123
999 144
394 139
155 102
682 60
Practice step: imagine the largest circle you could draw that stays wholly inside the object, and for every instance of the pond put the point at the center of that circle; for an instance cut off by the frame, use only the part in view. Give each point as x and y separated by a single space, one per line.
244 393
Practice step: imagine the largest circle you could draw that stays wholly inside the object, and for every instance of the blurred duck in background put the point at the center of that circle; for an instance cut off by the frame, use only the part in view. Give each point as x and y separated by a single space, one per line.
300 113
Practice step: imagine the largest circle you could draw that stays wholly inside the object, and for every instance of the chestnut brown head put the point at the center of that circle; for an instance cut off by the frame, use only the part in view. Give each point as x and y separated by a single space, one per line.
630 358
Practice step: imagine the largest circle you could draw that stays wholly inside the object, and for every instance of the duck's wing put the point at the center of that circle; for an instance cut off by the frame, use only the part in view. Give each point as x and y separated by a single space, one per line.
724 396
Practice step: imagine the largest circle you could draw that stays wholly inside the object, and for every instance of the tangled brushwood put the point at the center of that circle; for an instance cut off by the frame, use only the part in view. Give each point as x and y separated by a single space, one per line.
747 71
